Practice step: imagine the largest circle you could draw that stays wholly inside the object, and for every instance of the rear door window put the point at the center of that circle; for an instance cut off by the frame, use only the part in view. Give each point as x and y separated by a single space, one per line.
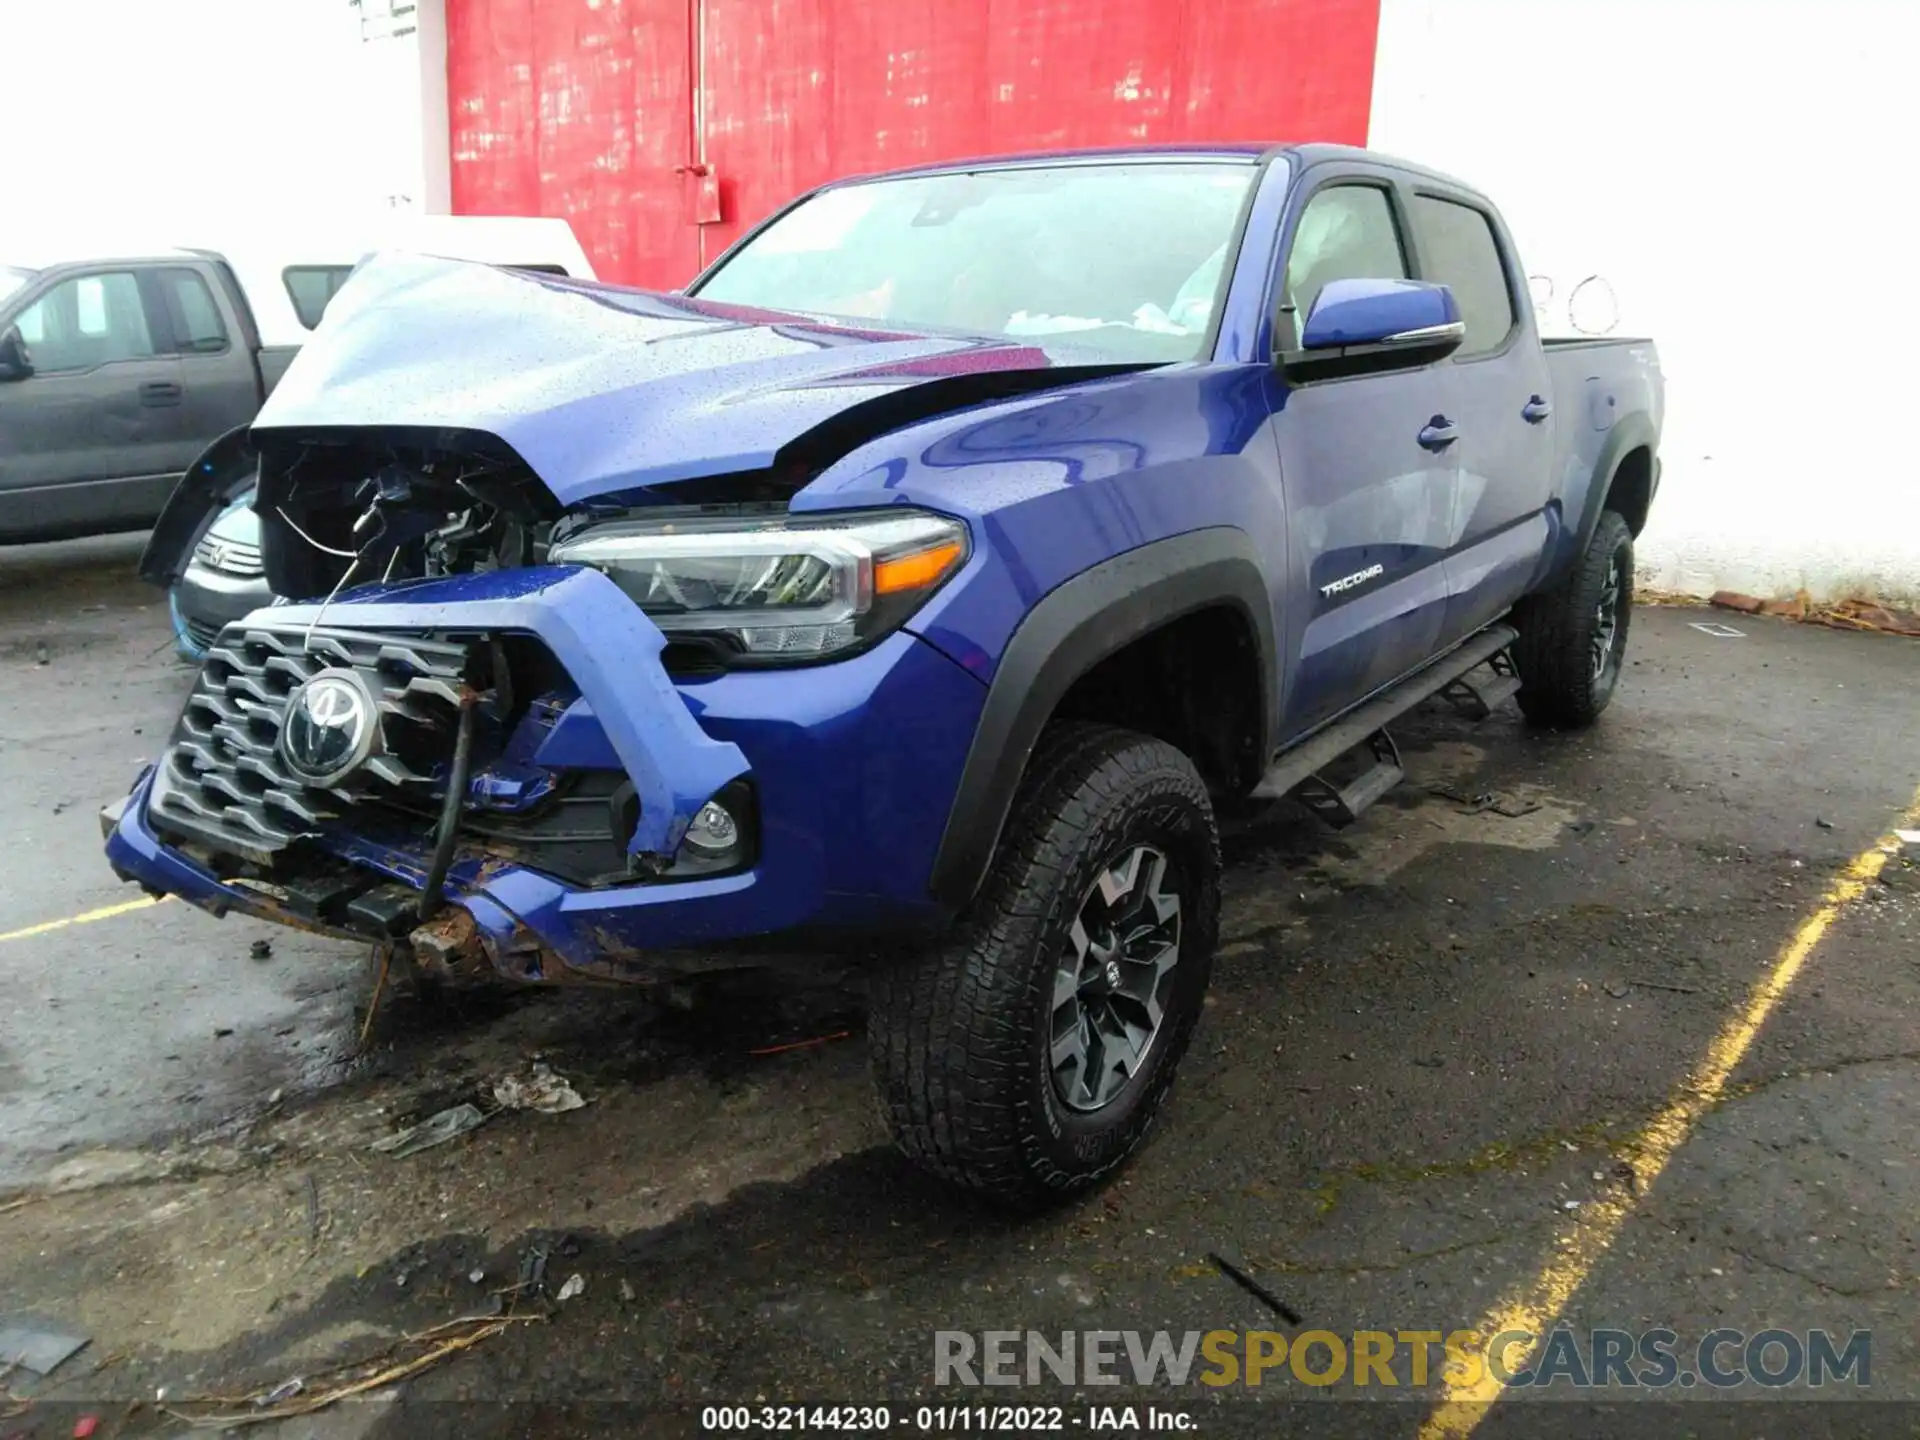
1457 249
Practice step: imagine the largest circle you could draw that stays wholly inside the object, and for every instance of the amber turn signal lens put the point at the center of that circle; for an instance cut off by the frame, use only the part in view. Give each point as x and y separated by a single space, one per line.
915 571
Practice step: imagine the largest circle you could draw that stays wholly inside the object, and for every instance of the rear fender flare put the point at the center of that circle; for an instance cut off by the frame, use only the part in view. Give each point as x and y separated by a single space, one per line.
1073 628
1632 433
222 474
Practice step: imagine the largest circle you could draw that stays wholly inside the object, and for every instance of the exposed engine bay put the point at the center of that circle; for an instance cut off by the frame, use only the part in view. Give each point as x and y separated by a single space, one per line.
402 506
347 775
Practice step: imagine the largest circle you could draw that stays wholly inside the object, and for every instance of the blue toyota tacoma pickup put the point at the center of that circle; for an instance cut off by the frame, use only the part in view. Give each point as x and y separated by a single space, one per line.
915 585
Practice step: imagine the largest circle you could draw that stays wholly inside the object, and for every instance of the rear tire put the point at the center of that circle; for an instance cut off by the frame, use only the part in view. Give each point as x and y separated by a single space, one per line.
1026 1057
1573 638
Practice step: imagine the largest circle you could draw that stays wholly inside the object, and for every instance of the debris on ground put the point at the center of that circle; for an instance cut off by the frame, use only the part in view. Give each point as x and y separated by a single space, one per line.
84 1427
260 950
28 1342
1907 837
533 1272
1254 1288
1856 614
435 1130
404 1358
802 1044
576 1284
1644 595
1662 985
542 1090
1852 613
281 1393
1510 807
383 953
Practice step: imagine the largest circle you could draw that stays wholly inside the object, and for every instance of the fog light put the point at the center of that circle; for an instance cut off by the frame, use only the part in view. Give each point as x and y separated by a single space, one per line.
713 832
721 838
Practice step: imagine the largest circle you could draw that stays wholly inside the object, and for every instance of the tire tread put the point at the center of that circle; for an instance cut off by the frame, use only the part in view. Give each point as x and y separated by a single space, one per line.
949 1029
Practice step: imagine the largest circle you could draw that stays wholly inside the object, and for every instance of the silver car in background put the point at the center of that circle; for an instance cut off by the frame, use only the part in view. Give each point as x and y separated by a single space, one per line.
223 582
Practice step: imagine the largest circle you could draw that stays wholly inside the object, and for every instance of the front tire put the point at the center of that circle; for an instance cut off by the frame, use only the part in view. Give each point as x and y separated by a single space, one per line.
1573 638
1026 1057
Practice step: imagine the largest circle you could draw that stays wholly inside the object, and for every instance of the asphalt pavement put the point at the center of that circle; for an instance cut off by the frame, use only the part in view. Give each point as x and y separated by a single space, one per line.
1463 1056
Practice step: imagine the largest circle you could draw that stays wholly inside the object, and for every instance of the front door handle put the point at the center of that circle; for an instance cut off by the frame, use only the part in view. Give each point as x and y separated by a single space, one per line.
1439 433
1536 410
160 392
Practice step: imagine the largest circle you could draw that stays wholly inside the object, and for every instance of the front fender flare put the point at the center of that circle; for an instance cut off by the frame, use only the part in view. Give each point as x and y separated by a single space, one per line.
222 473
1072 629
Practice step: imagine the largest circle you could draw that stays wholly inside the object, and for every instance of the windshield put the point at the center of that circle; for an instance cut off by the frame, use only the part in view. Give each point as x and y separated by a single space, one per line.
1126 258
12 277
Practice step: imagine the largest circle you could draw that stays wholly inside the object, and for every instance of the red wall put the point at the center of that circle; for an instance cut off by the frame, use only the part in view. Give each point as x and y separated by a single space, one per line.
585 108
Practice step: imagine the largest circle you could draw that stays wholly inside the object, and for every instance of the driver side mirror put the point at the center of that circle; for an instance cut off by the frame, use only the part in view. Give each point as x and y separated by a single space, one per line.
15 363
1359 326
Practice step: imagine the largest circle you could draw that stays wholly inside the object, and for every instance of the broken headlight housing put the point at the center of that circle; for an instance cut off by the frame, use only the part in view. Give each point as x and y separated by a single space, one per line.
784 590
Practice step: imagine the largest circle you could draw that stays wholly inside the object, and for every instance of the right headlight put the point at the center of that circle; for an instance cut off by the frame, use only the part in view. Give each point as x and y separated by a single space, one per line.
789 588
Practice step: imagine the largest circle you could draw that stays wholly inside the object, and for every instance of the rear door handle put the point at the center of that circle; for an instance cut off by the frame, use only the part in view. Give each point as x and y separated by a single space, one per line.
1439 433
1536 410
160 392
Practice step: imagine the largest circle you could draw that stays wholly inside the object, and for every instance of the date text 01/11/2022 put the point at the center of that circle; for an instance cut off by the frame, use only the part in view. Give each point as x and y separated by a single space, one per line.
944 1419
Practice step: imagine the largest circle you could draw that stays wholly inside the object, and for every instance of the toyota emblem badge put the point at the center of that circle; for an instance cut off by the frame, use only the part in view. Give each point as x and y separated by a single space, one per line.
331 727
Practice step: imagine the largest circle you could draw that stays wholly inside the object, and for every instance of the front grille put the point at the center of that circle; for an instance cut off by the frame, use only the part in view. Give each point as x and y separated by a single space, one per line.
222 781
230 557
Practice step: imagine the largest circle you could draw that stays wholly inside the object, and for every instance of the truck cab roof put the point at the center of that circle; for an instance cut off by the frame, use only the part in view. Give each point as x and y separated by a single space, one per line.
1307 154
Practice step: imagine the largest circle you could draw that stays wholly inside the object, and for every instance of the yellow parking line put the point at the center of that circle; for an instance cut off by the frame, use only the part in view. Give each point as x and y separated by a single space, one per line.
1535 1304
105 912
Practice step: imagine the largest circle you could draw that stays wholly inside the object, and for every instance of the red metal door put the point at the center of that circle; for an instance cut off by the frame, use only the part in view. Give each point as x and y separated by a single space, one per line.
836 87
581 109
662 127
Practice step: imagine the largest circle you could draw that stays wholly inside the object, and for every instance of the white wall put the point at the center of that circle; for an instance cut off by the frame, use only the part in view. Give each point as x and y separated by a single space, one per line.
1736 171
406 76
135 114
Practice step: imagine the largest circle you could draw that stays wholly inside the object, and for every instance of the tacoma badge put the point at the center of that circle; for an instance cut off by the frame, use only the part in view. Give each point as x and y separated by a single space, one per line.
1359 577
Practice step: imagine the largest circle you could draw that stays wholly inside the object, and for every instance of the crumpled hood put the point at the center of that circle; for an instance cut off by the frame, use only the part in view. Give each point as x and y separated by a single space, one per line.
601 389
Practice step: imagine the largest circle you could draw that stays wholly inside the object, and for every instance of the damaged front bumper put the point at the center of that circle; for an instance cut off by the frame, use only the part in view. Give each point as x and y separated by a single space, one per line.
831 769
521 924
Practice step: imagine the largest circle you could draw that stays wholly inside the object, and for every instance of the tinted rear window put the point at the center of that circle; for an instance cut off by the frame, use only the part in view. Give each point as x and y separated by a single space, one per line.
1457 248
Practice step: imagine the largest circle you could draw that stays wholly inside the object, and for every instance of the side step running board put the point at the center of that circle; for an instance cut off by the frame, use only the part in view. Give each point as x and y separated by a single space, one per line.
1344 804
1477 699
1299 769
